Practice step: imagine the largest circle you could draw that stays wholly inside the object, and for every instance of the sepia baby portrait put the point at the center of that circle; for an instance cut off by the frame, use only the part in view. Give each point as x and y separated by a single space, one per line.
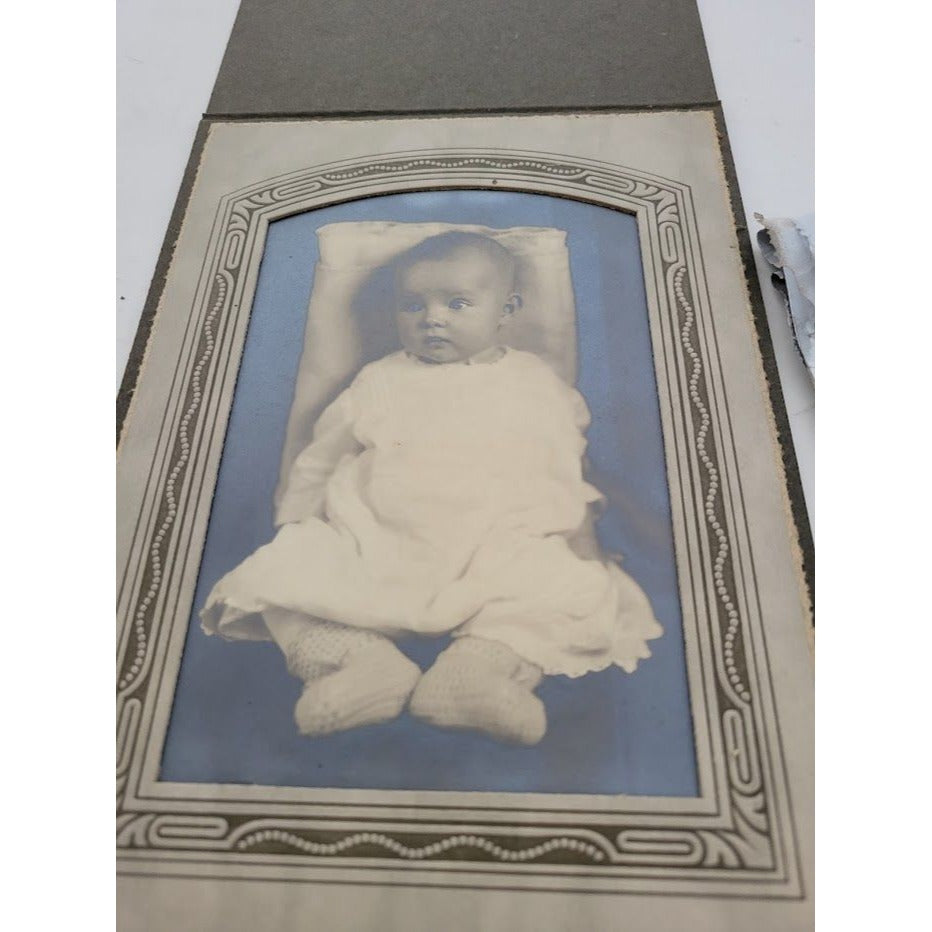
440 553
443 492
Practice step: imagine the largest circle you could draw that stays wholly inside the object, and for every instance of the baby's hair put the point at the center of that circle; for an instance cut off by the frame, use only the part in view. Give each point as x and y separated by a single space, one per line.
444 245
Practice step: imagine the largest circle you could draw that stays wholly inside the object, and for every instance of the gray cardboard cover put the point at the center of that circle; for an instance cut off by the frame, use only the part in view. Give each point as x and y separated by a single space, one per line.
355 56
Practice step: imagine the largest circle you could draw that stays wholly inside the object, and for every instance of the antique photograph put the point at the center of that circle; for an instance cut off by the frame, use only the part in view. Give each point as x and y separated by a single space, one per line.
442 498
464 560
448 553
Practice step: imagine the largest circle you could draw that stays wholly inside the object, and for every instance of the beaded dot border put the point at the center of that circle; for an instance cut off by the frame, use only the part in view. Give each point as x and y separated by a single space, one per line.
487 163
421 852
155 560
712 495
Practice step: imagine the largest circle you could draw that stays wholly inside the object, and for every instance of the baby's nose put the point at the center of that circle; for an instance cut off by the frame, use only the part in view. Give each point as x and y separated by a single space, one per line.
435 316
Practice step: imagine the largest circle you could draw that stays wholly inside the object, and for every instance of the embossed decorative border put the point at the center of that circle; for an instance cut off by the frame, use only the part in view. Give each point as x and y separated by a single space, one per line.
743 846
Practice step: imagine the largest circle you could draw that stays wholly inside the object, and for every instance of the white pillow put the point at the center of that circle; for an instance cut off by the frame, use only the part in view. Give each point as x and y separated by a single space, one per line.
349 322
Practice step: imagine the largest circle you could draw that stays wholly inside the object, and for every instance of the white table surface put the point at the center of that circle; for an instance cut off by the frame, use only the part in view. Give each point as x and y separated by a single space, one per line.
169 52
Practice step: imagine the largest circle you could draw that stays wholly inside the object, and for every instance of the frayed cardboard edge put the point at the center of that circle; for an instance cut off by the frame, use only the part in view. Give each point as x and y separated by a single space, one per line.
793 499
148 321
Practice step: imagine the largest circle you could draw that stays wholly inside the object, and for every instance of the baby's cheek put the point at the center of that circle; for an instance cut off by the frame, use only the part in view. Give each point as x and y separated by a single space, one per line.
405 333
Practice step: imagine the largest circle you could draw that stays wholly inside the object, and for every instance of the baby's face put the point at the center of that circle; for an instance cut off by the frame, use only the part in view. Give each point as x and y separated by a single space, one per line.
450 309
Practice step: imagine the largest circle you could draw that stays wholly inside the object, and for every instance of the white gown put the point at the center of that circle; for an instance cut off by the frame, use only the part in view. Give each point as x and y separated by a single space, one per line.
440 499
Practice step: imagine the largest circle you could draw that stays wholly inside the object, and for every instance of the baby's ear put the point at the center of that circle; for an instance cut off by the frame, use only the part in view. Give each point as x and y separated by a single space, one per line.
513 303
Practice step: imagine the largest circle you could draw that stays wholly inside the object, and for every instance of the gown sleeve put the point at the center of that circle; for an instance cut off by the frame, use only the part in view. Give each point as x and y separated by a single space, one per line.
333 439
581 416
582 419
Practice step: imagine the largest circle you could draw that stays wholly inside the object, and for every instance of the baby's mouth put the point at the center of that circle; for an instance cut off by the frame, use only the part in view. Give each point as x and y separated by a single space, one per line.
436 341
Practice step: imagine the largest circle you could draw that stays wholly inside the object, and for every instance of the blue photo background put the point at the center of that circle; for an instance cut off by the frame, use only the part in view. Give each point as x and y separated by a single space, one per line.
609 732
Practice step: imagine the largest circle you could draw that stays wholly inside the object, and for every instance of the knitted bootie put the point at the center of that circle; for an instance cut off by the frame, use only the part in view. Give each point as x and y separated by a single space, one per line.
482 685
351 677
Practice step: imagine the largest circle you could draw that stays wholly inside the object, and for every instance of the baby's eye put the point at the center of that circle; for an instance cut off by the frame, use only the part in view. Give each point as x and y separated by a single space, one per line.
457 304
412 307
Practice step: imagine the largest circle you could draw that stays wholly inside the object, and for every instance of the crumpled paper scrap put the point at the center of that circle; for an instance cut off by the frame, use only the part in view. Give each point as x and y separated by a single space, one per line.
788 245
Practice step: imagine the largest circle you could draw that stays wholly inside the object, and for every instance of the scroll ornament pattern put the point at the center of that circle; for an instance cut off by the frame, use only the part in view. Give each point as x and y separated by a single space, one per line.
746 844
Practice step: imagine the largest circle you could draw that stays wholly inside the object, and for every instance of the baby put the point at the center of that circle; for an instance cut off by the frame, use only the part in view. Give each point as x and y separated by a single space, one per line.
442 494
